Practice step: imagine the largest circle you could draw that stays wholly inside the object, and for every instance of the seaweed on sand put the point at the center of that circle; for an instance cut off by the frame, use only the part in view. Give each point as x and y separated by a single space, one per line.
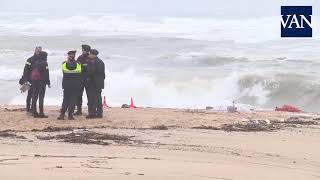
89 138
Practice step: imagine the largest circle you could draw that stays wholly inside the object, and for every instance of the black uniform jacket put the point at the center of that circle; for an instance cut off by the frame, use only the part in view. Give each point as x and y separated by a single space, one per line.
96 74
83 60
39 62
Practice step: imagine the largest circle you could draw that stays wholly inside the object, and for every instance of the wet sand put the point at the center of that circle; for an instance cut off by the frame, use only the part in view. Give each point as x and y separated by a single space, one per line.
160 143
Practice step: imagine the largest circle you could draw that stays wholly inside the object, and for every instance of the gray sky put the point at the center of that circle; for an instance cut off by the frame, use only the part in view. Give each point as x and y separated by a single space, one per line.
220 8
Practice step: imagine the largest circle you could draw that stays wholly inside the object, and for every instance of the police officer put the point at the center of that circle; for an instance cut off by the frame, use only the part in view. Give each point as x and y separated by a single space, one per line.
26 77
83 60
71 85
95 81
38 72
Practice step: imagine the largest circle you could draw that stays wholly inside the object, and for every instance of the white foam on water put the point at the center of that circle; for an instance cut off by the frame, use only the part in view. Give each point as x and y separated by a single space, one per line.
148 92
194 93
248 89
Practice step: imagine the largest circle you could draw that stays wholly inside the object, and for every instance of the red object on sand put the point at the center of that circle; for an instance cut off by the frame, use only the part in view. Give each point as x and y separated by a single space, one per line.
288 108
104 104
132 104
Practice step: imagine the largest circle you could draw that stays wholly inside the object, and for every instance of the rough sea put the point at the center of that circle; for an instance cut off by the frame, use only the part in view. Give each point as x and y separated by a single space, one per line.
185 62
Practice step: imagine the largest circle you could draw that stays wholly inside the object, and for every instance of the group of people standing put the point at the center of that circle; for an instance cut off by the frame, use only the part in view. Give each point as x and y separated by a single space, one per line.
86 73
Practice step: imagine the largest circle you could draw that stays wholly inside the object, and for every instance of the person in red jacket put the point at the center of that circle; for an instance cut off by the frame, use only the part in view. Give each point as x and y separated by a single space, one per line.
38 73
26 78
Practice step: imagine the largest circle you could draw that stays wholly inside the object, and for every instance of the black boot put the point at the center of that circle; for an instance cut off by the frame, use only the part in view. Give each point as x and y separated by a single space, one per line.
78 113
99 116
91 116
28 109
61 117
70 115
35 115
42 115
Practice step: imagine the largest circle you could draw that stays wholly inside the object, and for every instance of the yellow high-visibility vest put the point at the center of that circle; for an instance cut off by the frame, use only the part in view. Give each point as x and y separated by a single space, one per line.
68 71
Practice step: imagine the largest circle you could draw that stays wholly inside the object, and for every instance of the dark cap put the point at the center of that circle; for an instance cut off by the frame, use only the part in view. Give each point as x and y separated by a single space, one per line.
94 52
86 47
72 52
43 55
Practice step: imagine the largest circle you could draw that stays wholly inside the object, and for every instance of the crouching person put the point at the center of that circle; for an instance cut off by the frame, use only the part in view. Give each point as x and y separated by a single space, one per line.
71 85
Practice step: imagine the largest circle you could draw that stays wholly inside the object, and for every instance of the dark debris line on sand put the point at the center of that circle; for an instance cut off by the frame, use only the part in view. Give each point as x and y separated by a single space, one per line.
241 127
207 127
12 159
159 127
256 126
8 134
297 120
69 128
162 127
15 110
54 129
90 138
249 127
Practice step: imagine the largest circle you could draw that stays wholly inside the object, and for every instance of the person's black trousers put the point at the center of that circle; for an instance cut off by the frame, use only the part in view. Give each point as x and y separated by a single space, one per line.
79 100
99 103
28 100
38 91
70 97
94 101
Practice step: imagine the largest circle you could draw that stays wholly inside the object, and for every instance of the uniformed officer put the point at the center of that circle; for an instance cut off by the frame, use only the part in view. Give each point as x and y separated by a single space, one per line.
37 71
83 60
95 81
39 68
71 85
26 77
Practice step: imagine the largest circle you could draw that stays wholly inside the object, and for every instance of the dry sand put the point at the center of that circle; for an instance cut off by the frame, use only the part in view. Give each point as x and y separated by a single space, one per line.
161 144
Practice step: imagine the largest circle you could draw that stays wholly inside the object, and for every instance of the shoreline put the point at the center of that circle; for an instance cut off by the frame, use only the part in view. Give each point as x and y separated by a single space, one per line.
143 118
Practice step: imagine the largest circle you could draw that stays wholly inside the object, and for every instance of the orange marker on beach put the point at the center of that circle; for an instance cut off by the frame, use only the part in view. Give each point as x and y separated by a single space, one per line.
132 104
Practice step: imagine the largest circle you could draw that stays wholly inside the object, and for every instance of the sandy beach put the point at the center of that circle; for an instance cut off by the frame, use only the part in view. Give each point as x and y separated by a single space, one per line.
184 64
155 143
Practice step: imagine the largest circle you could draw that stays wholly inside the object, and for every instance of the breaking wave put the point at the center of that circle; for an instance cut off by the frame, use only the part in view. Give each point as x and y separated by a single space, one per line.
248 90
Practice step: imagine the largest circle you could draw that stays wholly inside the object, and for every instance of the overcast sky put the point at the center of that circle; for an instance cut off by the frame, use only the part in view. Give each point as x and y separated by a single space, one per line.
217 8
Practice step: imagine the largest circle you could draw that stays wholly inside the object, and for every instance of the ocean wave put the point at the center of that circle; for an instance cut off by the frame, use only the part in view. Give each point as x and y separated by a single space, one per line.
264 90
248 89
